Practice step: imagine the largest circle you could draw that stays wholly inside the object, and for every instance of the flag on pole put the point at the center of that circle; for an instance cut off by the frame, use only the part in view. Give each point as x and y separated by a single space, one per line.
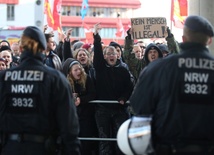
53 17
84 9
48 12
120 28
179 12
88 32
57 16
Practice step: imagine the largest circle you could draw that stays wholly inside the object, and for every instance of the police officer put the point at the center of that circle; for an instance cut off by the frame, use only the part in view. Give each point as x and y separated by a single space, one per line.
177 92
37 112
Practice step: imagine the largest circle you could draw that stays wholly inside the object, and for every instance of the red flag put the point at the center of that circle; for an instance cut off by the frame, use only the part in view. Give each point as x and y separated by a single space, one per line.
48 12
88 32
119 28
56 15
178 12
128 26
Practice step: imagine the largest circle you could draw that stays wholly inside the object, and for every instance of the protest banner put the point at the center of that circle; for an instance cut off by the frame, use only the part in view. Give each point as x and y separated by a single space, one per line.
149 27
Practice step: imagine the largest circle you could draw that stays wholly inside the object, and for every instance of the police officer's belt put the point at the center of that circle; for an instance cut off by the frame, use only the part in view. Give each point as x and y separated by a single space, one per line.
26 137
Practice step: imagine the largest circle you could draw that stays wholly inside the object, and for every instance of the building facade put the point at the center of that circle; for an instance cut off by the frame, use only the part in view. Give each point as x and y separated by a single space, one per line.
21 13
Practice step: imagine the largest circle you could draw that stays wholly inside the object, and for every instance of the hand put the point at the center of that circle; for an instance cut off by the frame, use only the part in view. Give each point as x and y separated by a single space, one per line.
45 28
97 28
169 32
77 102
68 33
129 33
61 36
121 102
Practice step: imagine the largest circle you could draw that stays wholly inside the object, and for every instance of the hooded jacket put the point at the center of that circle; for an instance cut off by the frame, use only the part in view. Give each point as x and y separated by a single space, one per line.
148 48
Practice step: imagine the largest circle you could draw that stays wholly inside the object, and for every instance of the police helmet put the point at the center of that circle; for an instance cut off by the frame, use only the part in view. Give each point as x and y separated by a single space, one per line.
134 136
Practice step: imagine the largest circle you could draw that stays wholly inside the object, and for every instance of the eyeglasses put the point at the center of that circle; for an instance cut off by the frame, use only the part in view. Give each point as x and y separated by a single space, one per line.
109 54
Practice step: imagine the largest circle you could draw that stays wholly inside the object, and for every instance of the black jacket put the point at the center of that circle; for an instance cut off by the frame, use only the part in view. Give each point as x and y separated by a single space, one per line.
112 83
177 92
36 99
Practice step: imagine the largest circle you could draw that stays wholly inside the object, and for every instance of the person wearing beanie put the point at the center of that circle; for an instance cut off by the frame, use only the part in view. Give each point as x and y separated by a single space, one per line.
164 49
4 43
2 64
77 45
83 92
176 93
88 47
37 107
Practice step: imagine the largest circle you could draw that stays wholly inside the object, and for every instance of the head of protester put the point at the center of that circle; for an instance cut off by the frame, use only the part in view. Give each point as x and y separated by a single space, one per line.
110 55
37 106
176 92
152 53
137 50
6 53
74 72
164 49
83 56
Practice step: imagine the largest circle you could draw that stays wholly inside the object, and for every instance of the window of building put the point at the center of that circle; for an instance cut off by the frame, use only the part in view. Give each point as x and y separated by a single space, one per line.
95 12
10 12
79 32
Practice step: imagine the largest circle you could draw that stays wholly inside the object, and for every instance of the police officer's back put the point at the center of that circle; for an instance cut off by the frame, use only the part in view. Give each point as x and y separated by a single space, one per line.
36 106
177 92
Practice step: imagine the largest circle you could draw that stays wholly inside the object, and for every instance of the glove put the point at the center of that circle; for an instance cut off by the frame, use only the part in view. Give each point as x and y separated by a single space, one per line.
169 33
129 34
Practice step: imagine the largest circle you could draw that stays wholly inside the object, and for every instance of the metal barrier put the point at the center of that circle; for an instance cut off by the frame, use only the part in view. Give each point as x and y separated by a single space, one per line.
101 139
106 101
98 139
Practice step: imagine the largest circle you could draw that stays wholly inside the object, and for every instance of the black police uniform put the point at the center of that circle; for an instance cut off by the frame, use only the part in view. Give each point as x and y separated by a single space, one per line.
177 92
36 107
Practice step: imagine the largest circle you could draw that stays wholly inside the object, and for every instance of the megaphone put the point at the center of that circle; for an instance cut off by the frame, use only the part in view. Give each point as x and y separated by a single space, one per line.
134 136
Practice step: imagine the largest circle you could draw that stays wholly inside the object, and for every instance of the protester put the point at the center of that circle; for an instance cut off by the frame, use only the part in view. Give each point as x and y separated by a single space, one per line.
6 53
83 92
51 59
164 49
177 93
135 64
38 115
112 83
80 54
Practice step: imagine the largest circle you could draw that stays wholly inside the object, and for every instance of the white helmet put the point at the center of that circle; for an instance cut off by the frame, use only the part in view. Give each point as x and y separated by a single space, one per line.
134 136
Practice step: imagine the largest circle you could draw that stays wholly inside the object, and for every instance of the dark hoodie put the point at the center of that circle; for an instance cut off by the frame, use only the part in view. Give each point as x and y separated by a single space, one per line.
160 55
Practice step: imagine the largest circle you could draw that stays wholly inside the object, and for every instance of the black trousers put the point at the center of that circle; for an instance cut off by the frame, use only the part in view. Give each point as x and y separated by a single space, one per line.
108 123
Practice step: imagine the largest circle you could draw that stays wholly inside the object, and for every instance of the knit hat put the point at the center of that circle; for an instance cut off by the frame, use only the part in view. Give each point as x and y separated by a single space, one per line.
68 64
86 46
77 45
5 41
3 48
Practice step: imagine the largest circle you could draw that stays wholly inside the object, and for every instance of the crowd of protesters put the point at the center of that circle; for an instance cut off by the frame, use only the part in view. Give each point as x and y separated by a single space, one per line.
96 72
